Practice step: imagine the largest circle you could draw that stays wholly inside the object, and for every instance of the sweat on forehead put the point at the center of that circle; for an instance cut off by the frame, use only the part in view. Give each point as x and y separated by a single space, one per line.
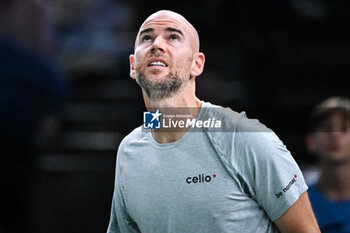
166 14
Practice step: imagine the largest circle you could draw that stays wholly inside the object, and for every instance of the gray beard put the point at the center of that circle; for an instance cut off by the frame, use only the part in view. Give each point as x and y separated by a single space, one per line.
159 90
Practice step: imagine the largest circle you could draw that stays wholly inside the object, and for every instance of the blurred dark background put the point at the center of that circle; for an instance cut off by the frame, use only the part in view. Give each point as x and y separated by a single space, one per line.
272 59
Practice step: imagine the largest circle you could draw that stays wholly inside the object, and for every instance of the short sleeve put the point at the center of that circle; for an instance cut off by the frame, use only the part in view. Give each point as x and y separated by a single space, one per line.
273 177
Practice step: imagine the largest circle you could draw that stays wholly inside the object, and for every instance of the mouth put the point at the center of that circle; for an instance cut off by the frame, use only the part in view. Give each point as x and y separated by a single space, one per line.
157 62
334 148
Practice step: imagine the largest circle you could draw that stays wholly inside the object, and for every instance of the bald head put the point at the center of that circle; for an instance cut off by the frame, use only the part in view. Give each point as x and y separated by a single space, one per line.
166 15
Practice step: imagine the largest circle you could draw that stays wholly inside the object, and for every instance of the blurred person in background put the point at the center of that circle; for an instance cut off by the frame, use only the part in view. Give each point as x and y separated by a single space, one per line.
330 141
31 93
247 182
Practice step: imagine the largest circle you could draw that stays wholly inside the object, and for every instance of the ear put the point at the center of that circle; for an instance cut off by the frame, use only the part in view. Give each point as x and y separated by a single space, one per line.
310 143
197 64
132 66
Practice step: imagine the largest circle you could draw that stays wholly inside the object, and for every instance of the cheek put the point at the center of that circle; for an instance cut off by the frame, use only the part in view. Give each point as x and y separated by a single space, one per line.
321 141
346 141
139 57
139 65
184 63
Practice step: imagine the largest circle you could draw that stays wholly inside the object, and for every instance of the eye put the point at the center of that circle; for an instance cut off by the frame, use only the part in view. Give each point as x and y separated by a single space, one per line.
174 37
146 38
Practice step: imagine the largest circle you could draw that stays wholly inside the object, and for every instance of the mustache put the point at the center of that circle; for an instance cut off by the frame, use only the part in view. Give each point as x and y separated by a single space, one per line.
154 54
158 55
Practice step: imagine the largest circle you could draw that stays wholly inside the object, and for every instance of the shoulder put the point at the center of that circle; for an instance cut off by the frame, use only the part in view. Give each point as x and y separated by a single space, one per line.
247 145
135 138
237 130
130 146
329 214
233 121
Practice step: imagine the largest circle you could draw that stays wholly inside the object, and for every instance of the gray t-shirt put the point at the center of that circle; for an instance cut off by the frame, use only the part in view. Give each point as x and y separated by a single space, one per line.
238 181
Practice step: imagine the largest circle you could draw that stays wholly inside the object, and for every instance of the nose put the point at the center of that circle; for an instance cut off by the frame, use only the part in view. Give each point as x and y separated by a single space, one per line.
158 45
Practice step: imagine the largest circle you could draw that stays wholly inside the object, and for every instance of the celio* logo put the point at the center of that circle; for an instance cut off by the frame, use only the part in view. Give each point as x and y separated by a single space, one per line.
199 179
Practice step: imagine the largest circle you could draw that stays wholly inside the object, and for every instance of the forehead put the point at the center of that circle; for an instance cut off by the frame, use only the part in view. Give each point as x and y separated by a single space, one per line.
165 22
335 119
161 20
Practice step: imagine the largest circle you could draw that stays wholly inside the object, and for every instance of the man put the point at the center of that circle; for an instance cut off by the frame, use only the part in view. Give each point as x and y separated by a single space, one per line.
330 141
237 179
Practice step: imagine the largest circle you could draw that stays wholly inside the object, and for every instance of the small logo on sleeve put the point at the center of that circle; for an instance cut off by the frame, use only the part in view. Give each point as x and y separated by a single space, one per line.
285 189
151 120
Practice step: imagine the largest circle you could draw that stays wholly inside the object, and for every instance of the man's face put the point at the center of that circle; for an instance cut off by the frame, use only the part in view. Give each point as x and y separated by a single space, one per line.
332 140
164 55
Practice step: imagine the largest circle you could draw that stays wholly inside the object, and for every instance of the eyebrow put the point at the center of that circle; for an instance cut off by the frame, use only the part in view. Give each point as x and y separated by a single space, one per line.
174 30
166 29
146 30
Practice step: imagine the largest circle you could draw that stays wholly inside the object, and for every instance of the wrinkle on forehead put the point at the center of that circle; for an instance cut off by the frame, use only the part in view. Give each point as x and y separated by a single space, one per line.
166 16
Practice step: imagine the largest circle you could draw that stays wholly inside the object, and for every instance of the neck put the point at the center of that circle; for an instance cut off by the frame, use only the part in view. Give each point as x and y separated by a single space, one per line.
183 102
334 181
